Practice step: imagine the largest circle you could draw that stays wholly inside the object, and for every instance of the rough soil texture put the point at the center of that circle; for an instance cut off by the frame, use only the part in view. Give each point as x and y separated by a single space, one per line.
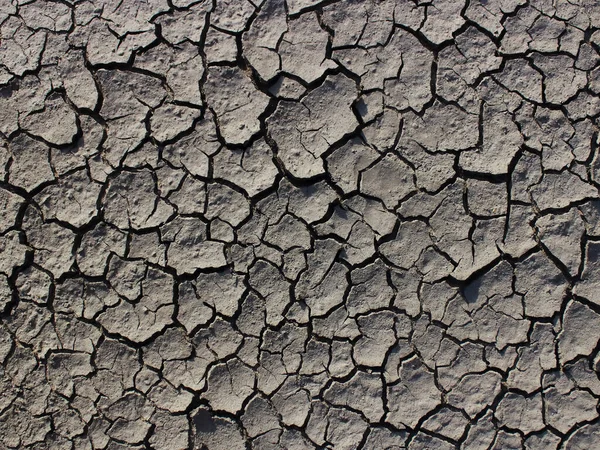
299 224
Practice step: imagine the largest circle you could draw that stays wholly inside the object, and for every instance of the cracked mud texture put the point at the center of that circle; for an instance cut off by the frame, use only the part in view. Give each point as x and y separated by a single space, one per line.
299 224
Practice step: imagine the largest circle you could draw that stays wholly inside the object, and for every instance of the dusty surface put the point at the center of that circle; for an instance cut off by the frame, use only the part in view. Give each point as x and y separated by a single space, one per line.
309 224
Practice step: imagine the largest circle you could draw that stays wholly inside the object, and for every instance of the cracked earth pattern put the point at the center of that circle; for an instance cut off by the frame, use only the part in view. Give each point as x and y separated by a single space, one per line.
310 224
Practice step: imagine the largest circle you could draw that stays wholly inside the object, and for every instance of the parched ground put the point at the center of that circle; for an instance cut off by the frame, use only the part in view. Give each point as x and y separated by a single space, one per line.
299 224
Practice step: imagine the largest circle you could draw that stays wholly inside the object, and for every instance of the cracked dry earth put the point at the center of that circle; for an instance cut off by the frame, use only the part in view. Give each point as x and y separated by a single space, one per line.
247 224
